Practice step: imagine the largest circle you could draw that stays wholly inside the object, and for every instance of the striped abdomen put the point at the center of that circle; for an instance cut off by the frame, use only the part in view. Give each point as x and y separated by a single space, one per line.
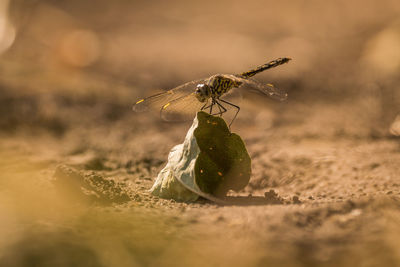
272 64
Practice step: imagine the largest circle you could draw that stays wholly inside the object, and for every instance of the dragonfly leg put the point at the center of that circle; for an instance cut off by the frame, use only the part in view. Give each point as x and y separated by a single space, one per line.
219 108
233 105
211 106
204 106
220 111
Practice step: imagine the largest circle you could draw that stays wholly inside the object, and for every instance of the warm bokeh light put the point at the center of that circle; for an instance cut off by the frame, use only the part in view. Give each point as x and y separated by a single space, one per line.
7 31
382 53
79 48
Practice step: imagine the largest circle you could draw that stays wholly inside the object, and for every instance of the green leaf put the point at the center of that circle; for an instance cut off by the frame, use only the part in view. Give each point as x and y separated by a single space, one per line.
210 162
223 162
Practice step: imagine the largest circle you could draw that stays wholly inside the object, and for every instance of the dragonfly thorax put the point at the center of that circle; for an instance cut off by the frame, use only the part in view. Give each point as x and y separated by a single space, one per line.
221 84
202 92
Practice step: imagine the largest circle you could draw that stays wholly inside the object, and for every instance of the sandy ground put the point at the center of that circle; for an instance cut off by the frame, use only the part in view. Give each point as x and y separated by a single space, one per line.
322 193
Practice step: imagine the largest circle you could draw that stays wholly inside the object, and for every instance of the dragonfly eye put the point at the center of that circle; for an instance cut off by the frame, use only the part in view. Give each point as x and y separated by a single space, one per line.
201 92
200 88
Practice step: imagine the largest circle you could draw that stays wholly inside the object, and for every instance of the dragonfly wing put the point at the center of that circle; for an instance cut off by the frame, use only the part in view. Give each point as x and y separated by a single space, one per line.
181 109
151 102
158 100
267 89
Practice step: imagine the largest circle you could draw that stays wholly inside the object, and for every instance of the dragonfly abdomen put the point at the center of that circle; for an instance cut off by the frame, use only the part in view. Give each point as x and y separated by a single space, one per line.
271 64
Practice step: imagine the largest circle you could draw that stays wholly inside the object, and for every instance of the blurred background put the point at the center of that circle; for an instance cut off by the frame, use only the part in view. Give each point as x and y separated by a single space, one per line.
71 70
54 54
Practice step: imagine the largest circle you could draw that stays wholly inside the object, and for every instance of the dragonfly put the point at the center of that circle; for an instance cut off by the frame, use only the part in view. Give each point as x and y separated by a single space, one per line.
209 94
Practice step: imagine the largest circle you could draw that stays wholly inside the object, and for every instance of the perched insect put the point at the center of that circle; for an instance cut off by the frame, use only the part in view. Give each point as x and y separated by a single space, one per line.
184 101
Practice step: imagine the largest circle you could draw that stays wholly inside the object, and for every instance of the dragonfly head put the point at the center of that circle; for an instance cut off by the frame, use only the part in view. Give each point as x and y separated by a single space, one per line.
202 92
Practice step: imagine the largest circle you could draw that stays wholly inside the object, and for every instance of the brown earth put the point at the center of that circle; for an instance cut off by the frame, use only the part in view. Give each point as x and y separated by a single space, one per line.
318 196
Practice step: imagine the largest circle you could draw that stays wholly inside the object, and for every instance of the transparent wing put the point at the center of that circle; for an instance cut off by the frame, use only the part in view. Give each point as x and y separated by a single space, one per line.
159 100
267 89
182 109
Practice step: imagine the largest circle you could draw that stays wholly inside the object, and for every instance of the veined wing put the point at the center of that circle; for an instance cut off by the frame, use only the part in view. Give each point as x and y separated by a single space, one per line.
159 100
181 109
267 88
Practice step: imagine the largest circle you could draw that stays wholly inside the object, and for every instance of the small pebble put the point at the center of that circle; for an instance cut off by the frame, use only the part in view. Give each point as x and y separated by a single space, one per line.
220 218
296 200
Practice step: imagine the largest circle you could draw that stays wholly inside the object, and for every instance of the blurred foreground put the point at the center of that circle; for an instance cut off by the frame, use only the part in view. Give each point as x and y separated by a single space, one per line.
70 71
